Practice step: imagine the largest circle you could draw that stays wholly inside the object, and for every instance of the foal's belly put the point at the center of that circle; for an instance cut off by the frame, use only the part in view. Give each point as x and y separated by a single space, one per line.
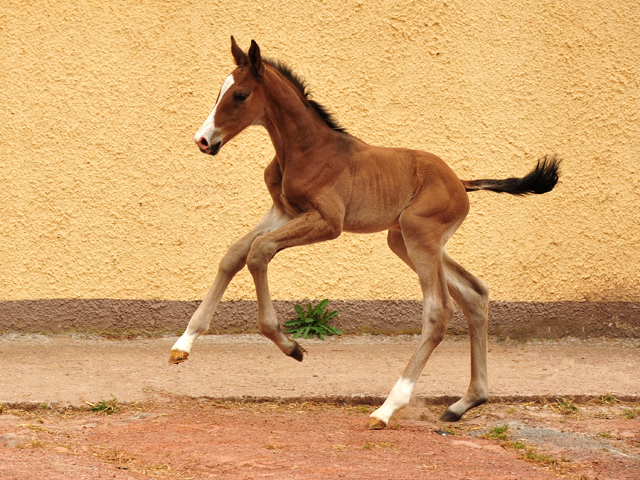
369 219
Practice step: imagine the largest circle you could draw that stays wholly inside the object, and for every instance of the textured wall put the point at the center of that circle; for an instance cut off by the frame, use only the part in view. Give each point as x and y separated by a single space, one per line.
104 195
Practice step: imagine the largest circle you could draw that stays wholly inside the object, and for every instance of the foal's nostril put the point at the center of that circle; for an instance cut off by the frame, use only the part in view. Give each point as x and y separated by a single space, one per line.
203 142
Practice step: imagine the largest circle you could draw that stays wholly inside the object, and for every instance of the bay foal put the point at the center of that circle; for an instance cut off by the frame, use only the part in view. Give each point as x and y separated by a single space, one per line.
324 181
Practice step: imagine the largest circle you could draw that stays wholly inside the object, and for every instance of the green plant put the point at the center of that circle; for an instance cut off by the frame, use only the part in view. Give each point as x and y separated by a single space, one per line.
607 399
501 434
517 445
106 406
312 322
565 407
629 413
498 433
531 454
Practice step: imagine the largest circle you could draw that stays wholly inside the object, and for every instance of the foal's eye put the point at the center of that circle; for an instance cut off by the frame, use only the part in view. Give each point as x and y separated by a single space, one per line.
240 97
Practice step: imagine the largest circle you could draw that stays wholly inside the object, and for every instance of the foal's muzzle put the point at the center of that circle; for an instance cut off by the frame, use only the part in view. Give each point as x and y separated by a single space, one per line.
204 146
214 149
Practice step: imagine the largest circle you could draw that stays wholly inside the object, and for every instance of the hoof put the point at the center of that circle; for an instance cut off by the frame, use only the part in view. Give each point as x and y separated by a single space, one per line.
298 353
375 424
178 356
449 416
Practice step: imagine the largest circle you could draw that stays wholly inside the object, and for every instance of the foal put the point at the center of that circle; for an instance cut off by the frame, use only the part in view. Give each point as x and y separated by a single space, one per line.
324 181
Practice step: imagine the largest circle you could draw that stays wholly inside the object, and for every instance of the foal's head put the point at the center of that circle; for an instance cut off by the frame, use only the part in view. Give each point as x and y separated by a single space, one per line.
239 104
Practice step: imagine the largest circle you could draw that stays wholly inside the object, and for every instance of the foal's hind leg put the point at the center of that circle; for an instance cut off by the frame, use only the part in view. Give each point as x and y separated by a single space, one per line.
472 296
424 250
232 262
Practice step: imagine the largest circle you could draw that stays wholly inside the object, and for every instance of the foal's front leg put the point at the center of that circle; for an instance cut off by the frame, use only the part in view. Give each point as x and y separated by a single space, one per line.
309 227
232 262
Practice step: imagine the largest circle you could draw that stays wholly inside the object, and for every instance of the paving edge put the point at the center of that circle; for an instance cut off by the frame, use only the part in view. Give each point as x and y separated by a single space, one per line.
349 400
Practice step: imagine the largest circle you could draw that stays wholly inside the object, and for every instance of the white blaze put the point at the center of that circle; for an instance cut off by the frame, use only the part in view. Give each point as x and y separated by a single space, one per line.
208 129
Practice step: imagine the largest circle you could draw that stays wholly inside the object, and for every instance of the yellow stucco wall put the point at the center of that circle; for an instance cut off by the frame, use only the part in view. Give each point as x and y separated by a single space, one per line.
104 195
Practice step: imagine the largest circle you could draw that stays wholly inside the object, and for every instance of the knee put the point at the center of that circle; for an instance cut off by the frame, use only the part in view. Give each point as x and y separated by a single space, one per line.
260 254
438 321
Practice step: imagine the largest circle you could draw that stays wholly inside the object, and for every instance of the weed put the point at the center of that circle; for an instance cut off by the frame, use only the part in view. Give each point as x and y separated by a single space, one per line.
605 435
1 408
501 433
629 413
518 445
531 454
607 399
565 407
106 406
498 433
312 322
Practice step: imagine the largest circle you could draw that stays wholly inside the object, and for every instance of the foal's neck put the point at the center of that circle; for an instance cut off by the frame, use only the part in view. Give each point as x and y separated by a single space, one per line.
293 126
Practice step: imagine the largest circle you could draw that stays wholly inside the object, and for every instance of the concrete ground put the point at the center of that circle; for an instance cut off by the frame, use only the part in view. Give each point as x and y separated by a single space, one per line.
71 370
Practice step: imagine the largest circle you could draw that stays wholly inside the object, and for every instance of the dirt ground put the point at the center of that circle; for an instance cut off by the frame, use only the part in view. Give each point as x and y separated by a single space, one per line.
69 370
197 439
195 420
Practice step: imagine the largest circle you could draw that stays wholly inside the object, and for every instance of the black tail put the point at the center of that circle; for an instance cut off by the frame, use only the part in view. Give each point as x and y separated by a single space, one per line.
540 180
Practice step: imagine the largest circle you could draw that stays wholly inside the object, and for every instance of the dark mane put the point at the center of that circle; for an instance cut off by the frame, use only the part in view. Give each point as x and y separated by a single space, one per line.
303 88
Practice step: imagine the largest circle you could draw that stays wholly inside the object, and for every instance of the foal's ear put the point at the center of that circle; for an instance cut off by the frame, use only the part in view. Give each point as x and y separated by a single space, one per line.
239 56
255 59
